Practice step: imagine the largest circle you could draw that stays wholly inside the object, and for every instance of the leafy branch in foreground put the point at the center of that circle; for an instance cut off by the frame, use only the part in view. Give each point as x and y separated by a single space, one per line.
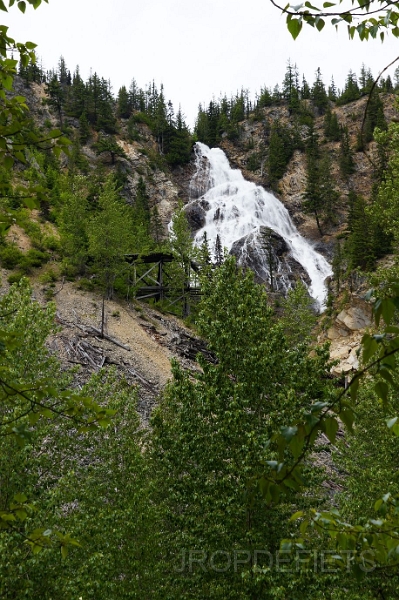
364 18
33 388
295 443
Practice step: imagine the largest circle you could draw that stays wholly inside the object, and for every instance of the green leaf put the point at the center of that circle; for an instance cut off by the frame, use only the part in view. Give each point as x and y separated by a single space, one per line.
285 546
303 526
328 4
20 498
370 346
331 428
386 375
294 27
288 432
8 162
392 329
382 389
296 446
309 5
22 6
347 418
388 310
297 515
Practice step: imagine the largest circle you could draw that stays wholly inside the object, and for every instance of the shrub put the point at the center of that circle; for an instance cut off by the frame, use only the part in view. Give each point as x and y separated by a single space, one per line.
10 256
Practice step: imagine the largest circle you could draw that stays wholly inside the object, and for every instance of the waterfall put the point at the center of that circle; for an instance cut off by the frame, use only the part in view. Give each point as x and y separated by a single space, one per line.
237 209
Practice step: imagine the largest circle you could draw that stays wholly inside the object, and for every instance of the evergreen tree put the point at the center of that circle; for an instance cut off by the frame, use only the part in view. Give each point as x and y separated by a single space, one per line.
305 89
318 94
218 251
313 203
365 80
375 117
62 72
265 98
388 86
346 161
290 88
332 130
77 96
204 254
108 144
351 90
360 244
180 142
338 265
332 91
281 148
123 104
84 128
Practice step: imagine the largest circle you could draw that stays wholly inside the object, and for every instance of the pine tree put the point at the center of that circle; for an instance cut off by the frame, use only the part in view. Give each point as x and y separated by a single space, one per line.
318 94
360 244
84 128
281 147
290 88
351 91
305 89
62 72
76 103
218 251
204 252
338 265
108 144
332 130
332 91
123 105
313 200
346 161
180 142
375 117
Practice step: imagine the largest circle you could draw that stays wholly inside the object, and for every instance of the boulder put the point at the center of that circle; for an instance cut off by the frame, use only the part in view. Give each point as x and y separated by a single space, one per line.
353 318
196 215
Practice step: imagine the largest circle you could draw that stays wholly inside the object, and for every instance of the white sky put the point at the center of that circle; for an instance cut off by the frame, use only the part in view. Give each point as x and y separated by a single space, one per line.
196 48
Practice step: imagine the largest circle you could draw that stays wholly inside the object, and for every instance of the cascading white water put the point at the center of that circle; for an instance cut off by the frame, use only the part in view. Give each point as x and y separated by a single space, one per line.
236 208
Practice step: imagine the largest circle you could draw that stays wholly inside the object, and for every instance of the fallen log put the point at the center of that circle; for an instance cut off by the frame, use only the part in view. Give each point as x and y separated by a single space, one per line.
109 338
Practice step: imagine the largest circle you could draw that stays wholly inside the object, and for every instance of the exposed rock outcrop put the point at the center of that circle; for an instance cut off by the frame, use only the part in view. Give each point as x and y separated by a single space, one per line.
346 334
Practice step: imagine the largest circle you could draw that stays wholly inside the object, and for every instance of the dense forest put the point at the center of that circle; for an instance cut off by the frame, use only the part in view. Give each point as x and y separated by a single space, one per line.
259 474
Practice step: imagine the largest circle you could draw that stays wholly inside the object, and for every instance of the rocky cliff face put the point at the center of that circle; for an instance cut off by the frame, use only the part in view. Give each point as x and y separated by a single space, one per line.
290 189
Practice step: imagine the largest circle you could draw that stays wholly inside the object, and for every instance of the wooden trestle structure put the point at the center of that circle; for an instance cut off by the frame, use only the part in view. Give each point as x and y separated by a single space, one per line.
155 282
